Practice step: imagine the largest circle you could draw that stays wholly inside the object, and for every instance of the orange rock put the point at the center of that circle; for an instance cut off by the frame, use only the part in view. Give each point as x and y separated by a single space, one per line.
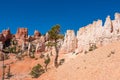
21 33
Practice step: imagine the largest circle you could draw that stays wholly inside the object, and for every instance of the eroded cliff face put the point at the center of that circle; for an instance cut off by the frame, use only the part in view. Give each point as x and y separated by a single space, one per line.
37 34
95 33
70 42
21 33
5 36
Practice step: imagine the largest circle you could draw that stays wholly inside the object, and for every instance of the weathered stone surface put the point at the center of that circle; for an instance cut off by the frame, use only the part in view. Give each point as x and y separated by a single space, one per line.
21 33
95 33
7 34
89 34
37 34
40 47
70 42
5 37
1 46
2 38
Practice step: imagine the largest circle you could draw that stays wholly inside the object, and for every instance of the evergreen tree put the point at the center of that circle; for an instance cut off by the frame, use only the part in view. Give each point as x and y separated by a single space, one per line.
54 36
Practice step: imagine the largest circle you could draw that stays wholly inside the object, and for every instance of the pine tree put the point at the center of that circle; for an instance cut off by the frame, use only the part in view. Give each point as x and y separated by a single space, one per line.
54 36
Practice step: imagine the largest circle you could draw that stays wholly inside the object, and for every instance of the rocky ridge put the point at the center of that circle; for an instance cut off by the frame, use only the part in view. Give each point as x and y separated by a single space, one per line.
95 33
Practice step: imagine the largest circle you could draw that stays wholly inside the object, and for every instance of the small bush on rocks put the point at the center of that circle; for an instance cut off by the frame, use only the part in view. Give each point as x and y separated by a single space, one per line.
37 71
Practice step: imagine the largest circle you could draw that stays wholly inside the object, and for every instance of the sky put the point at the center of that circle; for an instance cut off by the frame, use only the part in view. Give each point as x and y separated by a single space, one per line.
41 15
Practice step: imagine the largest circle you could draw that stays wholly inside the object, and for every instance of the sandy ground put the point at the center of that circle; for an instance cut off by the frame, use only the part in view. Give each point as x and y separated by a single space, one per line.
100 64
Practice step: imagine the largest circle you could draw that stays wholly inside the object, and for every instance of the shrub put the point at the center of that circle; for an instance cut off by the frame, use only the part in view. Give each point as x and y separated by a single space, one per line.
93 47
47 61
37 71
12 49
61 61
112 52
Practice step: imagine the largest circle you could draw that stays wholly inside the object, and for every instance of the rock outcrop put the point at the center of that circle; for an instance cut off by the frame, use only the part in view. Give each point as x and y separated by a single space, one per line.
2 38
40 47
5 36
70 42
22 33
95 33
37 34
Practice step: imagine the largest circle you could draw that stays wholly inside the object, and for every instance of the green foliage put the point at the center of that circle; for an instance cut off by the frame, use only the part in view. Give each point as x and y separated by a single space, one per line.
54 33
32 52
13 42
93 47
61 61
37 71
50 44
47 61
10 49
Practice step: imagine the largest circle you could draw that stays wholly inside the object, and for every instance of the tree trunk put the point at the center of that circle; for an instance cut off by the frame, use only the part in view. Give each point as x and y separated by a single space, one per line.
46 67
56 57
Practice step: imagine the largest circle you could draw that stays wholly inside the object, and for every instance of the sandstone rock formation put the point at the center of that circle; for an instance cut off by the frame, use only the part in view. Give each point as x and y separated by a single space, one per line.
37 34
2 38
7 34
21 33
70 42
40 44
5 38
95 33
1 46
